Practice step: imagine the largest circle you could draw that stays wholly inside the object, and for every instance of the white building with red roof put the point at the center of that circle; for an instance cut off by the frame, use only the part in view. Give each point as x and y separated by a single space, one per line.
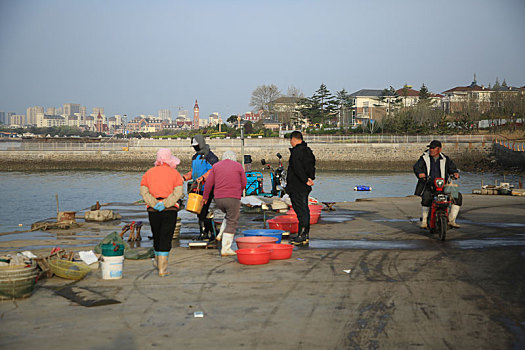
463 97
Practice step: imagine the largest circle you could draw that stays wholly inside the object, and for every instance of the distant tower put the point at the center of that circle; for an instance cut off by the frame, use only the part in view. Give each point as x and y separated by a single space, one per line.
196 115
99 123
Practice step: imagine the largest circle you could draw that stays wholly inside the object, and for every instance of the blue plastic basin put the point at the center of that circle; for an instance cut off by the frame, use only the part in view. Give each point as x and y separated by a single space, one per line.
265 233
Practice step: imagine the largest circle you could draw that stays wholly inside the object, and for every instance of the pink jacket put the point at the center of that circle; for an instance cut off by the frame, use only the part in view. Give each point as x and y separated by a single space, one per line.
227 178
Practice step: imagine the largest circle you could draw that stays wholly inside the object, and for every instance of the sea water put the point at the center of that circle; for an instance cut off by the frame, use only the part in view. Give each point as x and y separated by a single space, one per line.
28 197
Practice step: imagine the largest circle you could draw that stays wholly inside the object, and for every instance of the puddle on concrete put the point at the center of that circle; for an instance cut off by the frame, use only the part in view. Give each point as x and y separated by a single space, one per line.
417 244
26 235
486 243
493 224
34 247
397 220
367 244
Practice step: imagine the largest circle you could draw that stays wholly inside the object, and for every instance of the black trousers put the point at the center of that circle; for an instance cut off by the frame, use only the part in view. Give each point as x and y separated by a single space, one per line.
162 226
426 198
206 207
300 206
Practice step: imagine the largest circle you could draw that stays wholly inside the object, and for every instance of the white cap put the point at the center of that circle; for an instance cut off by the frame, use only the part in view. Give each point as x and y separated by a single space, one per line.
194 142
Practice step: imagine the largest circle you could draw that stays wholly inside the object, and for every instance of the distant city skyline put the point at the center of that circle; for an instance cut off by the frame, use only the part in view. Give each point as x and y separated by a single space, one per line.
136 57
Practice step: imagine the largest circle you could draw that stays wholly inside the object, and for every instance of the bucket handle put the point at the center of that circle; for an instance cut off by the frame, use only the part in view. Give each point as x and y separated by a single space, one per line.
198 187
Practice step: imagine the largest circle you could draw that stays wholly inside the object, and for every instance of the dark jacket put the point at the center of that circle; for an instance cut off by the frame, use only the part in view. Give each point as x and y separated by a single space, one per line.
301 166
446 166
204 150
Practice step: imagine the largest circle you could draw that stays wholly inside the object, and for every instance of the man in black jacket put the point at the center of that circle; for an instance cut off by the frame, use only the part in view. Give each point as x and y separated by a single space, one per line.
299 182
433 164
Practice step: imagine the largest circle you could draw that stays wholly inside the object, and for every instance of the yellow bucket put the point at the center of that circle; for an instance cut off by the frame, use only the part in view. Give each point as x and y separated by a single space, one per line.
194 204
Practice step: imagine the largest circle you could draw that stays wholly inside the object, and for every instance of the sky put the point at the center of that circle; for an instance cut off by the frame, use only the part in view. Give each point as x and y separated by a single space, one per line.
137 57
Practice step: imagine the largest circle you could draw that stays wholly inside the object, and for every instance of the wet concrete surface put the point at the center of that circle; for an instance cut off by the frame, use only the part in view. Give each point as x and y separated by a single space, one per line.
370 279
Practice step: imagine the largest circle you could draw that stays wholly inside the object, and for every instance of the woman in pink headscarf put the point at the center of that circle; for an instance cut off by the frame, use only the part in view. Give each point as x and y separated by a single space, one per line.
161 189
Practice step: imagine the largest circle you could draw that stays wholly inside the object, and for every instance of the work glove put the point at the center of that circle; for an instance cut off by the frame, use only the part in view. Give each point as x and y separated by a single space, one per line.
159 206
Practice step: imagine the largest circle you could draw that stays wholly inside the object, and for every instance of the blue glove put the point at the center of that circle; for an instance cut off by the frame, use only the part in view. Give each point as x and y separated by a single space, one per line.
159 206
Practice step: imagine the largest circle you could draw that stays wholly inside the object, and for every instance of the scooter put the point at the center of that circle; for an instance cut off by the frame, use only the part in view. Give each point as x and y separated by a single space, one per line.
441 201
277 176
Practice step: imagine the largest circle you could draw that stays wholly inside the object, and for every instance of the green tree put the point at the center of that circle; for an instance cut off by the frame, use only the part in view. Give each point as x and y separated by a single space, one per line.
424 95
310 109
391 98
326 102
248 127
232 119
344 102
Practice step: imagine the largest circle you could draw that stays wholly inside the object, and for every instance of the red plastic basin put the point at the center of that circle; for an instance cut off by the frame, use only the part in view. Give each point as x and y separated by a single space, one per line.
315 208
253 256
254 241
314 216
285 222
278 251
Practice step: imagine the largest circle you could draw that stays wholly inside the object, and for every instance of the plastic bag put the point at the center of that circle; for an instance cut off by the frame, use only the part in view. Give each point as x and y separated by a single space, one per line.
113 237
132 254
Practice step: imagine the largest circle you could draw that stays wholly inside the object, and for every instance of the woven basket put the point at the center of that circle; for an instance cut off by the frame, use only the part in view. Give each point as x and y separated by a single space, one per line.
17 281
69 269
176 232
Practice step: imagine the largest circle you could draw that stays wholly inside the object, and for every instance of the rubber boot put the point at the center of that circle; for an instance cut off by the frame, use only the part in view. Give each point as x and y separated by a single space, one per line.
209 229
156 260
303 237
452 215
424 217
227 240
163 263
293 238
221 231
202 231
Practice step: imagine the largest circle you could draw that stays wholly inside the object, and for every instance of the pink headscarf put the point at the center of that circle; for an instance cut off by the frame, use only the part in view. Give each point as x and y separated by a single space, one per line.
164 156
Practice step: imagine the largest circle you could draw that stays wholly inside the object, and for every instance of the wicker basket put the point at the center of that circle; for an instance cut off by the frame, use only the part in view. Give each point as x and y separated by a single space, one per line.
69 269
17 281
178 225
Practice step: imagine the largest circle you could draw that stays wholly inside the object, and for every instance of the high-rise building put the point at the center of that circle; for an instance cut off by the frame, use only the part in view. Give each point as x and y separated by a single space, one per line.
17 120
32 114
2 118
83 112
165 114
97 111
183 113
196 115
203 123
39 118
51 111
214 119
70 109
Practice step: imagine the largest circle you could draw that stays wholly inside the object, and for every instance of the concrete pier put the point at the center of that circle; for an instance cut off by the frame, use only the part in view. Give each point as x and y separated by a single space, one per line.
401 289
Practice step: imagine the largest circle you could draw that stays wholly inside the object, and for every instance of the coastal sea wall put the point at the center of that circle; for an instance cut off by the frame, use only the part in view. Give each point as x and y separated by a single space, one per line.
510 157
140 155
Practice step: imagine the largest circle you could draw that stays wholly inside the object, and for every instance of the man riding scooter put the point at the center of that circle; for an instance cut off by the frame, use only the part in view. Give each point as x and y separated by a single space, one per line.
433 164
201 164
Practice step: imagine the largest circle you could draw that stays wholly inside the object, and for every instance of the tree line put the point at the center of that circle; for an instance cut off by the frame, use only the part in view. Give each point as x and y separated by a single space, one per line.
327 112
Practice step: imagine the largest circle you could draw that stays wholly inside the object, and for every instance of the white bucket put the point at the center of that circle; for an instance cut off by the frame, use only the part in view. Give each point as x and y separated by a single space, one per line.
112 267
